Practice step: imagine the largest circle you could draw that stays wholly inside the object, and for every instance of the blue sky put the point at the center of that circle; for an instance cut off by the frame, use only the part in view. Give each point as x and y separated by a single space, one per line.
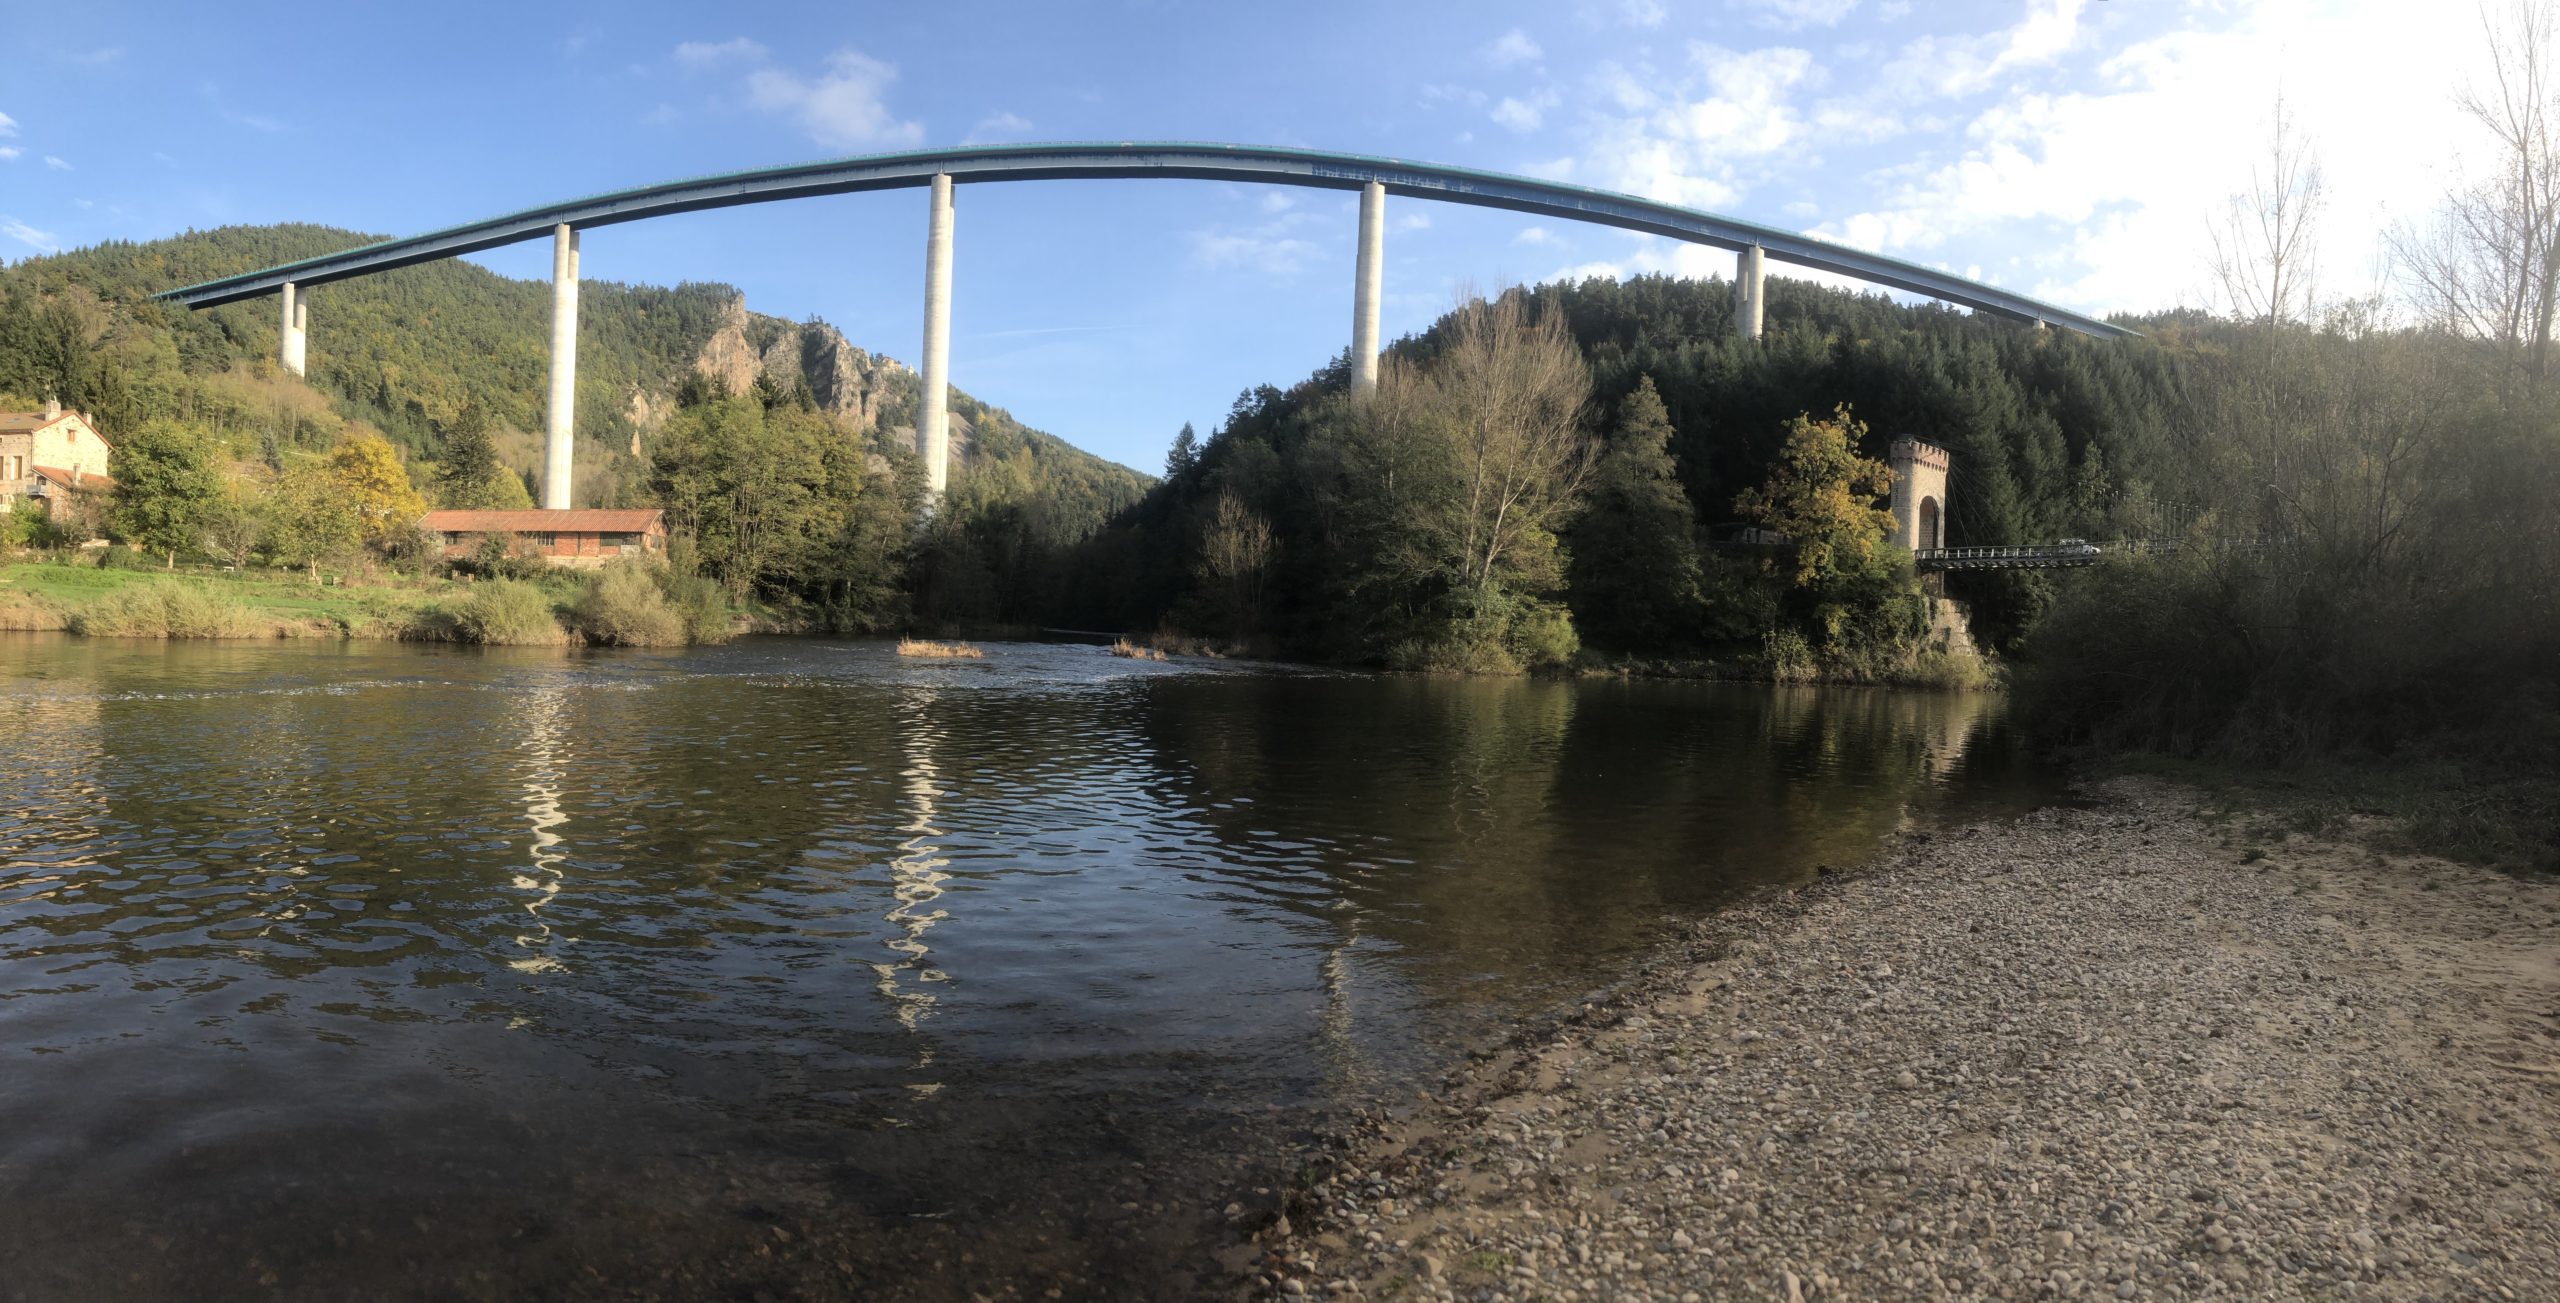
2071 149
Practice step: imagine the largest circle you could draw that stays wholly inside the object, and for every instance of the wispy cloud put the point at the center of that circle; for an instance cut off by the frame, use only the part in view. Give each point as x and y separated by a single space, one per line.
1511 49
712 54
1642 13
8 125
997 126
10 153
1525 114
56 164
222 109
40 241
1789 15
845 106
97 58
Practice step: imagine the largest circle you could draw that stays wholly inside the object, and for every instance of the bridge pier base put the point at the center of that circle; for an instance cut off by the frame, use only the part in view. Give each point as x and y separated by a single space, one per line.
291 352
1749 283
1368 279
933 412
559 448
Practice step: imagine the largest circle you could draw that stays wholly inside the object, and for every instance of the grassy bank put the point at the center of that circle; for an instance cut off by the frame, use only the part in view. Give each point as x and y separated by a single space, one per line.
618 606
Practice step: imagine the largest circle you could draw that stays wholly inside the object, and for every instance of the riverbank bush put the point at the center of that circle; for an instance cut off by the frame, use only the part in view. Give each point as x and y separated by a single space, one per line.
167 609
2375 585
507 613
622 606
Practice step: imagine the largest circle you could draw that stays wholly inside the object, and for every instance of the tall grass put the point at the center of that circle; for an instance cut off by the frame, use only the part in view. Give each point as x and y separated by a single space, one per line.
938 650
167 610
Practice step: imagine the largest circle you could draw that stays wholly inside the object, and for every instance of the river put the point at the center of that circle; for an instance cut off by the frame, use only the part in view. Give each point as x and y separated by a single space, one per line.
792 968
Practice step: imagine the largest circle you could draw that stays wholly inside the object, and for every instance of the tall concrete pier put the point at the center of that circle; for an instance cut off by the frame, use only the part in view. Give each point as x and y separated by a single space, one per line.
1748 287
291 348
1368 277
933 415
559 434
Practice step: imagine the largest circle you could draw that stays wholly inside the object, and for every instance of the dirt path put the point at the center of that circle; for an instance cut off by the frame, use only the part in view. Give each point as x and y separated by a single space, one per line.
2088 1054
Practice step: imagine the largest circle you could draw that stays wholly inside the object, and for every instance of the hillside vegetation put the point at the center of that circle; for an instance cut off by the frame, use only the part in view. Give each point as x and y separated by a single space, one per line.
438 373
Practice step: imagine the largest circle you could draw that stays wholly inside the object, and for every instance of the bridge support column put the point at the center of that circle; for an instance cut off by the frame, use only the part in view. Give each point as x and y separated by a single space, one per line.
560 431
1748 286
933 413
291 349
1368 279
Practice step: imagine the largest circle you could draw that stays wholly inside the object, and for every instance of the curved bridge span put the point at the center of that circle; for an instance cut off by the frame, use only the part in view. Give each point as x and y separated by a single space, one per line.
939 169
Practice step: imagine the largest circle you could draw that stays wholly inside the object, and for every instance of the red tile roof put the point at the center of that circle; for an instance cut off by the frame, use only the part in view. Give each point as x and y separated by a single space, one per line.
98 480
588 520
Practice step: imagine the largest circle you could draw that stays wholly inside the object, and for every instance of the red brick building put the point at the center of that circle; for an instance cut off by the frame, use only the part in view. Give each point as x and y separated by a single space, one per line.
589 537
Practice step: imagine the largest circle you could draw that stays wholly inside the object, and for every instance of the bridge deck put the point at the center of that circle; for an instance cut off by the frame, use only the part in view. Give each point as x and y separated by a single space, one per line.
1132 159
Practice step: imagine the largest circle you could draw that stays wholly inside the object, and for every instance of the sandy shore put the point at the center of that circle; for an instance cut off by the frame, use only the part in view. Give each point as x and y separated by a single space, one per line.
2093 1053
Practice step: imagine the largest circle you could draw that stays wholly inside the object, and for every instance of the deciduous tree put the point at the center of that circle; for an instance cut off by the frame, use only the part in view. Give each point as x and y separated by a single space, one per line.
166 487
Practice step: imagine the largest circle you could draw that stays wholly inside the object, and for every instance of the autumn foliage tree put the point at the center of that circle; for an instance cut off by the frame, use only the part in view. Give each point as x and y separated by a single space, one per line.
1822 495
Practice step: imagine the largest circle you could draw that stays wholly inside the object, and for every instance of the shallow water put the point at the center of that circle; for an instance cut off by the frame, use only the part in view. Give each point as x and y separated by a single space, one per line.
795 968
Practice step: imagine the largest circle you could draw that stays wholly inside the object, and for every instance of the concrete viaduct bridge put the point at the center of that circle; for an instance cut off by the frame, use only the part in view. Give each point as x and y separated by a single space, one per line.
940 169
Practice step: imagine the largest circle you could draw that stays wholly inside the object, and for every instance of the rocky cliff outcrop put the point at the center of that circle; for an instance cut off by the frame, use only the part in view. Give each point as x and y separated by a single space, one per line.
847 381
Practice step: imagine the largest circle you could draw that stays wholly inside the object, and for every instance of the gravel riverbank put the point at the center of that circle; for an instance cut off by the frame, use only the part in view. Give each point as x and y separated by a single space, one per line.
2088 1054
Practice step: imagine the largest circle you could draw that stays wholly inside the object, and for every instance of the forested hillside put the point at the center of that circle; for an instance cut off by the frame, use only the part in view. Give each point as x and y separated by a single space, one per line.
2052 434
407 351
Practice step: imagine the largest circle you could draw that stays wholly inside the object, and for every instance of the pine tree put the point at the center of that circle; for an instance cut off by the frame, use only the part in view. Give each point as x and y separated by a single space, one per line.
1635 579
1185 455
471 477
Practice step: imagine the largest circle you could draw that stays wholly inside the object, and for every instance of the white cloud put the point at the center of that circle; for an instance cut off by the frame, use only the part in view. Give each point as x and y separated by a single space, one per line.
8 125
40 241
711 54
10 153
1789 15
1642 13
97 58
2109 184
1691 143
1276 255
996 126
1512 49
1277 201
843 107
1413 219
1525 114
1435 94
1534 235
663 115
56 164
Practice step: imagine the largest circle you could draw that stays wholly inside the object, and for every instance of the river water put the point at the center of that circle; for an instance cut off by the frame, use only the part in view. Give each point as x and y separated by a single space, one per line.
794 969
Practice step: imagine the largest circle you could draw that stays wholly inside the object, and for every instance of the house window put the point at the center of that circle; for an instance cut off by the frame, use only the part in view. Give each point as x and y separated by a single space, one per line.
625 544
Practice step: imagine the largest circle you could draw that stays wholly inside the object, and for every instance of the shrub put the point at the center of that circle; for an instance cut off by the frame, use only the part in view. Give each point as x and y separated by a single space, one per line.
507 613
166 609
699 603
623 607
1136 651
501 556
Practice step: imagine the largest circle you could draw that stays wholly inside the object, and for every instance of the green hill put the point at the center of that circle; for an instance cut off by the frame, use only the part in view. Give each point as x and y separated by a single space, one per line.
405 351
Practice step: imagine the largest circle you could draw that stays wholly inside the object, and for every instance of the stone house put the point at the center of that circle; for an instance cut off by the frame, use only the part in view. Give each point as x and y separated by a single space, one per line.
52 461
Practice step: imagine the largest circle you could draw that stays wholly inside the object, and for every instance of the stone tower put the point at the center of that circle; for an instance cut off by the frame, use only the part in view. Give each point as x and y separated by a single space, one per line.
1919 494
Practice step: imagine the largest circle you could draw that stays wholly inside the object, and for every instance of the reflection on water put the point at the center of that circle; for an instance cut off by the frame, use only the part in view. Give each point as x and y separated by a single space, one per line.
797 968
